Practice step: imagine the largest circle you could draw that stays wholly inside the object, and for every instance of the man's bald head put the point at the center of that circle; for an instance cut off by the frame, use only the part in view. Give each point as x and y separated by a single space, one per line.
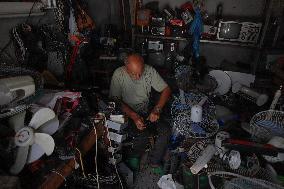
134 66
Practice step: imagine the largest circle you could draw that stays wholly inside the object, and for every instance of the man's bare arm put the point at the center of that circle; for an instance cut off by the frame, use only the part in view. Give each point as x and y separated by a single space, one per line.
138 120
164 97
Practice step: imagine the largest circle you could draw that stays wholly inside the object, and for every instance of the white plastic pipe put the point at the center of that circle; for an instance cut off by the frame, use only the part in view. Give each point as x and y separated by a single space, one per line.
260 99
196 111
275 99
206 156
182 97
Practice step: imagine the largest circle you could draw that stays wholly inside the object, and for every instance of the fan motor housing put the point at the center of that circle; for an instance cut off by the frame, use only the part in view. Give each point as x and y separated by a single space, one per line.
24 137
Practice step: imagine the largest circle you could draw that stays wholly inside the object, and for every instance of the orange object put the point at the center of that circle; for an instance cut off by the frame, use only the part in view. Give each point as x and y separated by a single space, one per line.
83 20
143 17
168 31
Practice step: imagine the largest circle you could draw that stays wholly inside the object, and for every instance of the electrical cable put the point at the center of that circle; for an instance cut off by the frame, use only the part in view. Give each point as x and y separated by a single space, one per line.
81 162
59 175
112 152
30 12
97 173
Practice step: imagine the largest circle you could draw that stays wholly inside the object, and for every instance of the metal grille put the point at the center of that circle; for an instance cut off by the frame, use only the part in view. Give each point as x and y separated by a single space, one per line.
266 124
182 120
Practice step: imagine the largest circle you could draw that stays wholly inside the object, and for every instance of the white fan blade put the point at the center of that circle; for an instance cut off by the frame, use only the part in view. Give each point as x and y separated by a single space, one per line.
35 153
45 141
17 121
21 158
49 127
40 117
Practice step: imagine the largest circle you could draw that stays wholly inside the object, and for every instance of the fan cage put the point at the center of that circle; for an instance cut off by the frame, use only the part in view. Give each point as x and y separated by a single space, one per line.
181 114
266 124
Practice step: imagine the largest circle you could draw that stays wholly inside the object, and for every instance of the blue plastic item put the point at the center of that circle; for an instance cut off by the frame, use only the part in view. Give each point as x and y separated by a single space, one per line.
196 29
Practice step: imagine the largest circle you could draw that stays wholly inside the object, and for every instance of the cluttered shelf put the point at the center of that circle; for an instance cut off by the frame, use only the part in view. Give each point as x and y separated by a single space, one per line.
249 45
162 37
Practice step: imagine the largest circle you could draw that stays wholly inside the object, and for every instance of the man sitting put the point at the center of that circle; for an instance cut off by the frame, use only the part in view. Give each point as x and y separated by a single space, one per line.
131 84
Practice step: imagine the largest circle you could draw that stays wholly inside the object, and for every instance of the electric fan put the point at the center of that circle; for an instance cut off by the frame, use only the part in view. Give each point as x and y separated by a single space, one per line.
194 115
236 181
32 140
18 88
267 124
223 80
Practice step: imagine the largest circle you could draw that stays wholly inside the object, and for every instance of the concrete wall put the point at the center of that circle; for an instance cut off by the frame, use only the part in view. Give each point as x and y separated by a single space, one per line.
245 8
7 23
104 12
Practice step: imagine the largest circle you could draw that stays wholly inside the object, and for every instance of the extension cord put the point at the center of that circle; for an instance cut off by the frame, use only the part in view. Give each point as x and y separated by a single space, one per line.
119 138
113 149
116 126
118 119
116 159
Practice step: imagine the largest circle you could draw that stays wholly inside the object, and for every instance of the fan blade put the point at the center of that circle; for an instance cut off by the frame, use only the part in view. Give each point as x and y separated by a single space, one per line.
17 121
21 159
35 153
40 117
49 127
45 141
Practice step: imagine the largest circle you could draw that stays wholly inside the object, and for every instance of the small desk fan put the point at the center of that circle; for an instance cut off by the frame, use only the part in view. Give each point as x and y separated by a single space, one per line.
34 139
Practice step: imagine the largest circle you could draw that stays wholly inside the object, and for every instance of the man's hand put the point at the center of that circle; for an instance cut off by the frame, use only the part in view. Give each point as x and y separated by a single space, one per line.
139 122
154 115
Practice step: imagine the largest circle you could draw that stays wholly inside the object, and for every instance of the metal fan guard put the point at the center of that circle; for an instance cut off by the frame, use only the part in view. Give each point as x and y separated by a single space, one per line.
182 121
264 125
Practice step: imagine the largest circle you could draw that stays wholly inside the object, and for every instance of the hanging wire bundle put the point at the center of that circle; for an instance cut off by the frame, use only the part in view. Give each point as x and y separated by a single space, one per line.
182 120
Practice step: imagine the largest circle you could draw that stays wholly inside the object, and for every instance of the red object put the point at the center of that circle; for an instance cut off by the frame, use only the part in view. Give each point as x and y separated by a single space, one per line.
187 6
250 144
176 22
168 31
75 50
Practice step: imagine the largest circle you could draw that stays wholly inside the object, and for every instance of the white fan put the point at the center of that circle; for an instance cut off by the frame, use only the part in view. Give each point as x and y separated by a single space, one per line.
16 88
224 81
33 140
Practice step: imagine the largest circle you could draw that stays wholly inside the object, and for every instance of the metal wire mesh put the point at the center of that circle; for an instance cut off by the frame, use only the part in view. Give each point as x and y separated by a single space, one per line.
266 124
249 168
182 121
236 181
